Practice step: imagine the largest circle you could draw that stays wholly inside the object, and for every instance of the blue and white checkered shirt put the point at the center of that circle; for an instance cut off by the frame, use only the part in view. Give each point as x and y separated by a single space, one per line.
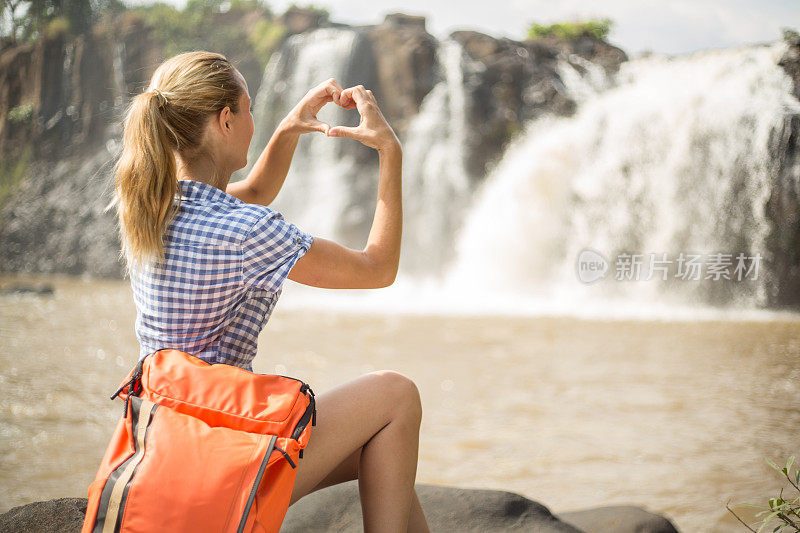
224 268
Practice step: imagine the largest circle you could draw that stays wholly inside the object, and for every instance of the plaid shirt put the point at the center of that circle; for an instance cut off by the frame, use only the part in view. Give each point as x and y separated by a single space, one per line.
225 264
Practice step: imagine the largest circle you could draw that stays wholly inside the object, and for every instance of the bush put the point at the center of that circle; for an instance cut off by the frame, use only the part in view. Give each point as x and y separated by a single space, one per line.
200 26
266 37
569 31
13 170
785 512
57 27
320 12
21 114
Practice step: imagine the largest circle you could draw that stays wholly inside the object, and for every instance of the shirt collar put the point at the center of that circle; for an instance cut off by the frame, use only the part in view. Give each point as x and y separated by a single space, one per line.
197 191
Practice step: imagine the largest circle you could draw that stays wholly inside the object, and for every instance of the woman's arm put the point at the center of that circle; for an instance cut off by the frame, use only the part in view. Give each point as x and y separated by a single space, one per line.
267 176
333 266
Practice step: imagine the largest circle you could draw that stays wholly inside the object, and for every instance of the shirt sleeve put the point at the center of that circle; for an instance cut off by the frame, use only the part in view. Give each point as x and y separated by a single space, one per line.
269 251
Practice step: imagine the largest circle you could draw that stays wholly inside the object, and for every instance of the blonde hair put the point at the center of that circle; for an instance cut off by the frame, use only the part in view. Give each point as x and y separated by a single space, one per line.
168 117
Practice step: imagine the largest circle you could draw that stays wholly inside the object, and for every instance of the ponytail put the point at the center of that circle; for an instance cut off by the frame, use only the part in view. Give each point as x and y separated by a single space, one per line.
158 123
146 181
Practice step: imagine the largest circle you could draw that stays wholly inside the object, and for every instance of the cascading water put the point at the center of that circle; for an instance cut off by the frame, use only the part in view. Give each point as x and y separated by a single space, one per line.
322 176
436 188
672 156
674 159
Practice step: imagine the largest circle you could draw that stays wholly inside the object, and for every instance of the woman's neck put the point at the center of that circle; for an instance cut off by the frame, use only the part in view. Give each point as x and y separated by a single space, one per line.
202 169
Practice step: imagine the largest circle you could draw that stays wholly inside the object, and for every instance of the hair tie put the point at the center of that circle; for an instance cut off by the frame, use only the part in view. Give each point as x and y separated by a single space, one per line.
162 100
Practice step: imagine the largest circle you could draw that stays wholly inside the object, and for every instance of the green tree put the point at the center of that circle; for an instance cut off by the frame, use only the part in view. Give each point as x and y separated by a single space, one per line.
26 20
569 31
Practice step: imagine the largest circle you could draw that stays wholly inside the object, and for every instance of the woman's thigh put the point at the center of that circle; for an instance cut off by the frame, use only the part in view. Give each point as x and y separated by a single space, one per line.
347 417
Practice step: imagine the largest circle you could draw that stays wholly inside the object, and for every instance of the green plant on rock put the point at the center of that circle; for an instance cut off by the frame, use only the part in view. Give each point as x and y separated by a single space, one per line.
28 20
780 510
21 114
197 27
266 37
570 31
321 12
13 170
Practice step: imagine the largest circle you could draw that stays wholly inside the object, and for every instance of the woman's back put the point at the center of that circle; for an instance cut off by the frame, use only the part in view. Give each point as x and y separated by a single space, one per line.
224 265
207 271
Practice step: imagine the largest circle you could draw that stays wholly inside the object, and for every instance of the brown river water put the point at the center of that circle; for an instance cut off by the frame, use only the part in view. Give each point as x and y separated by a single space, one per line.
676 416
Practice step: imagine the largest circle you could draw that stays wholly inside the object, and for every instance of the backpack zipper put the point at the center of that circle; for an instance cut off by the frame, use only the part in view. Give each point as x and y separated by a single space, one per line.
286 455
309 414
256 483
305 387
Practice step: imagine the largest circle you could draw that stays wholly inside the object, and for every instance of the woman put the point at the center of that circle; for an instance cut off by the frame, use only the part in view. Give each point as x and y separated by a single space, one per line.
207 260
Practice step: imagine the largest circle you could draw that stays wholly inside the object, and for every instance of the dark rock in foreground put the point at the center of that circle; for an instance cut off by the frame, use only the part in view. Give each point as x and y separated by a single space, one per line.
338 508
56 516
621 518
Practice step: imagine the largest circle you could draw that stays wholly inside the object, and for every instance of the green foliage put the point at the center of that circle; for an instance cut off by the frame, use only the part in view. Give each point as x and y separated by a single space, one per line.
569 31
13 170
265 37
323 13
27 20
21 114
57 26
781 511
198 27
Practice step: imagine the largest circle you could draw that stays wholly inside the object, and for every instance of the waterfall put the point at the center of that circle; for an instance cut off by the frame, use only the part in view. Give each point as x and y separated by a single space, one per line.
436 188
670 156
119 74
322 178
675 158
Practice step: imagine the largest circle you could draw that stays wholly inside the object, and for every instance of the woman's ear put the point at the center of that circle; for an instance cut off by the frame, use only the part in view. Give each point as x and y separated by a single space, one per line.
225 117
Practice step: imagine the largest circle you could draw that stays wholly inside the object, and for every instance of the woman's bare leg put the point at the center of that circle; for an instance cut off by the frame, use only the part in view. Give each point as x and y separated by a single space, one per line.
368 429
347 470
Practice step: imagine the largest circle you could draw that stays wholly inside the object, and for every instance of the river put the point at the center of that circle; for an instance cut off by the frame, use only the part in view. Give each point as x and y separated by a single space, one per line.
675 415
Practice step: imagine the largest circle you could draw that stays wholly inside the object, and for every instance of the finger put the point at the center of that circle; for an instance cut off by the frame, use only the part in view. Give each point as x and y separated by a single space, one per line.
355 93
337 90
344 131
359 96
332 91
318 125
346 99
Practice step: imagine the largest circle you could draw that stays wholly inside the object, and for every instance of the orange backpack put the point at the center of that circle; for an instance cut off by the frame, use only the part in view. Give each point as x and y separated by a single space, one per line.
202 448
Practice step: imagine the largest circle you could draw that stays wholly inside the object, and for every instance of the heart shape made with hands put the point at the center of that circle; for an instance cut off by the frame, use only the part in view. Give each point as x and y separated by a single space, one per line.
310 107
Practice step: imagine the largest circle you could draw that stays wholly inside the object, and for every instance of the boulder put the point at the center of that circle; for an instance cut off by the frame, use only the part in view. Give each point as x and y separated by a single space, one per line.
338 508
56 516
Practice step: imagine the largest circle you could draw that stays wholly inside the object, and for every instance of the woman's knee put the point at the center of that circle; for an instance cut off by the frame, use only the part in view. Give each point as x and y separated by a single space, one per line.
403 393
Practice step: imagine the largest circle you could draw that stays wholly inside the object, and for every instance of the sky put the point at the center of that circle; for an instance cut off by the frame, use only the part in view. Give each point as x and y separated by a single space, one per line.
668 27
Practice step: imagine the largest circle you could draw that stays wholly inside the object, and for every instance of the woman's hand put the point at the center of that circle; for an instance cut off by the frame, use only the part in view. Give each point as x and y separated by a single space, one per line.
303 118
372 130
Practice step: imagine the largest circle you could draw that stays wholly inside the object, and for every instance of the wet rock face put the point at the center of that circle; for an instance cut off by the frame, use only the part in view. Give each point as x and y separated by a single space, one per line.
783 206
405 67
790 62
58 222
511 82
74 88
